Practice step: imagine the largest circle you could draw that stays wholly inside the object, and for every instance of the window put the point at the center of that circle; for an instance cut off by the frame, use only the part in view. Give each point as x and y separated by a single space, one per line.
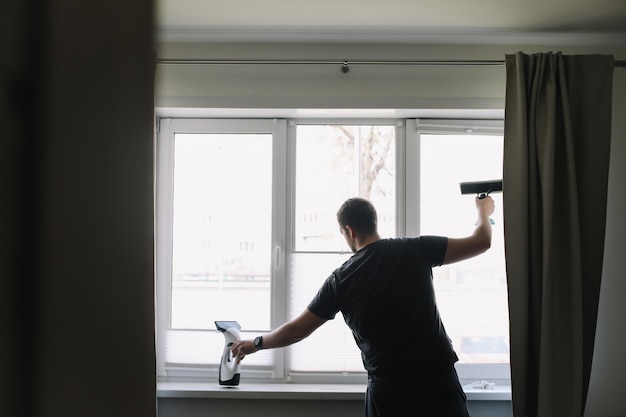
220 246
334 162
471 295
216 236
246 231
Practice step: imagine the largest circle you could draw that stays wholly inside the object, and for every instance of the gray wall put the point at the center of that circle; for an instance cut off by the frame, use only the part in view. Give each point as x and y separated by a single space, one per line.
608 374
404 87
301 408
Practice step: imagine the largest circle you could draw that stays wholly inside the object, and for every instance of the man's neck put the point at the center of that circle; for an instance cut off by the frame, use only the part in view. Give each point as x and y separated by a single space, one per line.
361 243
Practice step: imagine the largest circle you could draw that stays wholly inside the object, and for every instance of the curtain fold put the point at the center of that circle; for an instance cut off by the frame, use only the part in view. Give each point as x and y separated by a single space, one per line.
556 155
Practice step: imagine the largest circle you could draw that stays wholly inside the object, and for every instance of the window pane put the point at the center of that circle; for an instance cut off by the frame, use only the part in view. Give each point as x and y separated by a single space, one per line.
334 163
222 230
472 295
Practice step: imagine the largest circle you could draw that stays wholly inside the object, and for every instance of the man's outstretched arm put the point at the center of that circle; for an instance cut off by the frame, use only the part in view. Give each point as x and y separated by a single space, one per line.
479 241
289 333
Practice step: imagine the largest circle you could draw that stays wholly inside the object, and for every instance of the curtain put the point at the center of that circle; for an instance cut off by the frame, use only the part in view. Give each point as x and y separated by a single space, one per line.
77 210
556 155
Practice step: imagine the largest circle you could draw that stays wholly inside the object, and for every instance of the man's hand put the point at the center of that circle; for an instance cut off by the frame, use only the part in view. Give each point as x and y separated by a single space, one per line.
485 207
242 348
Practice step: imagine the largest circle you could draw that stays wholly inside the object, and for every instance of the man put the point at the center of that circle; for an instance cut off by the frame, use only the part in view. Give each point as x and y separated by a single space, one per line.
386 296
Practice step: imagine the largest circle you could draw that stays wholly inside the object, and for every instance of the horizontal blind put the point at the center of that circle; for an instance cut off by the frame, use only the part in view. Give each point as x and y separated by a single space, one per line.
331 348
460 126
186 347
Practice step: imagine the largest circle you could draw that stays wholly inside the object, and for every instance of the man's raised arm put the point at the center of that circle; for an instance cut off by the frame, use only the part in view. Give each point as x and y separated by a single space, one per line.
478 242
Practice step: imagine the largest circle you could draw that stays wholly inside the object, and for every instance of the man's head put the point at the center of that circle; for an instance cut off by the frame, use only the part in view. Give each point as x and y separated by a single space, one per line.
357 219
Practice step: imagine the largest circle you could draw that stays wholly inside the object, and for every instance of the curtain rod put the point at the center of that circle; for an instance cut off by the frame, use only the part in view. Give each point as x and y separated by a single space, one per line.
345 64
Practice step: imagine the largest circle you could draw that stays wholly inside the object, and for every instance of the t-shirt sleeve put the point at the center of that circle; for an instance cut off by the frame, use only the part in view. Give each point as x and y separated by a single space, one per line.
325 304
434 249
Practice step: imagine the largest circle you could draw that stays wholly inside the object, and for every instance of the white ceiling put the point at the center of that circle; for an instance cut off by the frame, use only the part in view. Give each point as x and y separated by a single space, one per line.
492 21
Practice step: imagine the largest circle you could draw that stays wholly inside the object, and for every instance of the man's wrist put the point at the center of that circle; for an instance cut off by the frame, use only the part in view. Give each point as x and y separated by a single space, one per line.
258 342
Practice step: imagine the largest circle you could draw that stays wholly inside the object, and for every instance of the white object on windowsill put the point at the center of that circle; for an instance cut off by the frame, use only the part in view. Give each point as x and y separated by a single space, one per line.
480 385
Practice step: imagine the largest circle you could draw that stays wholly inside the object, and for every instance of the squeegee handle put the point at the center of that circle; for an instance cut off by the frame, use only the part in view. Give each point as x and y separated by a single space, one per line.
480 197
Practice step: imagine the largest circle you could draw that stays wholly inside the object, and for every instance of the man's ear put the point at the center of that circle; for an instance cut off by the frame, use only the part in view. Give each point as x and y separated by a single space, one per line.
350 231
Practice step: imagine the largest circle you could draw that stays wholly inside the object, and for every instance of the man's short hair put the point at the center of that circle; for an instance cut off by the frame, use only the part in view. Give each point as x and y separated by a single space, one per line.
359 214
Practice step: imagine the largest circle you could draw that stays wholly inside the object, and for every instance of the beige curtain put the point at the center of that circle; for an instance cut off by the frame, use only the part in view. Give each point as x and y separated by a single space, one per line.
556 156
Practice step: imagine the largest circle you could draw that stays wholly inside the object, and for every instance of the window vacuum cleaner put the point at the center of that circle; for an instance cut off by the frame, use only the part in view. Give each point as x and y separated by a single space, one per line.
229 372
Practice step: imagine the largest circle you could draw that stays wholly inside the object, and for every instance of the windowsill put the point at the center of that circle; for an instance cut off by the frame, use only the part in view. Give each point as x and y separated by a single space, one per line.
292 391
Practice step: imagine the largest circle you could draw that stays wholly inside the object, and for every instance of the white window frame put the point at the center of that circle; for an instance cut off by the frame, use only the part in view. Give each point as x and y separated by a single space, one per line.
400 155
166 129
499 373
407 223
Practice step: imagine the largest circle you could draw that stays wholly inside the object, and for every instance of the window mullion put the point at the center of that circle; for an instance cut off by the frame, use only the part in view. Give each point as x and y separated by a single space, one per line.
280 231
411 178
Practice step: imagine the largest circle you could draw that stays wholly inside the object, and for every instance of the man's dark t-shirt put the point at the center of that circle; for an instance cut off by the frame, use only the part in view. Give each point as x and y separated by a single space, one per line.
385 293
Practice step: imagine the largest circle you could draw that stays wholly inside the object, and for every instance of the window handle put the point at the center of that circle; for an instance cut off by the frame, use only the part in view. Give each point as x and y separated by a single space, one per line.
278 250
